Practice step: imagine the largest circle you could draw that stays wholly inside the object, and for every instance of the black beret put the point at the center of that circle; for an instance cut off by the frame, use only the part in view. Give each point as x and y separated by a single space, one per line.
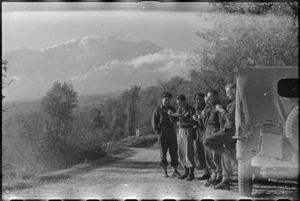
181 97
199 95
166 94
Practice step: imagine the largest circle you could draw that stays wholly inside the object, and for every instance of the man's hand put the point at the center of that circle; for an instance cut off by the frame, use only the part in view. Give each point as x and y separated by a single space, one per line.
198 112
219 108
170 112
195 117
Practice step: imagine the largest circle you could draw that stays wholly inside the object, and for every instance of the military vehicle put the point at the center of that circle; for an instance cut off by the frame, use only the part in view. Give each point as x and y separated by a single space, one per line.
266 124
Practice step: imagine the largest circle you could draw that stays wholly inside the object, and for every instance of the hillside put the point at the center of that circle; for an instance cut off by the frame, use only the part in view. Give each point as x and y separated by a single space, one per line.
93 65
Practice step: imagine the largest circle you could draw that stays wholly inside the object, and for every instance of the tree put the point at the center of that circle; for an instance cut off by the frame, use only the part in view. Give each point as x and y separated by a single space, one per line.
98 120
163 83
59 101
131 97
237 41
5 79
257 8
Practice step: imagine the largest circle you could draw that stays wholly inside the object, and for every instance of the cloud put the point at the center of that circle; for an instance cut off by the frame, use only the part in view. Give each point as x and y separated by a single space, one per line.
108 65
174 68
163 56
81 77
17 78
169 62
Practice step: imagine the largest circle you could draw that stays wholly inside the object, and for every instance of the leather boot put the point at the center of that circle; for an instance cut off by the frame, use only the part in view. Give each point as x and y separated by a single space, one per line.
175 172
191 175
185 175
211 180
165 171
224 185
217 180
204 177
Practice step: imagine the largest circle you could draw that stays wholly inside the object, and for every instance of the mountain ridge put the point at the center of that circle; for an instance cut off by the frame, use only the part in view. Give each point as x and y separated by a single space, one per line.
92 65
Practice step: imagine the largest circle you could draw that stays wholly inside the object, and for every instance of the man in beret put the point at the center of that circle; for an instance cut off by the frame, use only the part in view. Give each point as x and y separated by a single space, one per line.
199 98
165 130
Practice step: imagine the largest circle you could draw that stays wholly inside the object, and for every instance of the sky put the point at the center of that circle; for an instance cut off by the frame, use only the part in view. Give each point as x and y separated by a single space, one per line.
39 25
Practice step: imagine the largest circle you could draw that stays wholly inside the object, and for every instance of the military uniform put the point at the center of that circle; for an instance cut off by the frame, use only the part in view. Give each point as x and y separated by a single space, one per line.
222 141
213 124
186 138
199 141
167 138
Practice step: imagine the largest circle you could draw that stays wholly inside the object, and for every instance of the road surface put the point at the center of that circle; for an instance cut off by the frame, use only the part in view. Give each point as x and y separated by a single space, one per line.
138 177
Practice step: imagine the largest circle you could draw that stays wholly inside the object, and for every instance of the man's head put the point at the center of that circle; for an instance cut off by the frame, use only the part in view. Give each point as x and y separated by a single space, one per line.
199 97
181 100
166 98
230 91
212 97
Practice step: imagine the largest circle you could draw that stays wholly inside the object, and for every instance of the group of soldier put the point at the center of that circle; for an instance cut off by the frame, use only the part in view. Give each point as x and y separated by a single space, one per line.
204 133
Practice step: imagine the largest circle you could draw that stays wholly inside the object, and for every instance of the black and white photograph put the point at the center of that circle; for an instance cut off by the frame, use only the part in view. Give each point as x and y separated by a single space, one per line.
150 100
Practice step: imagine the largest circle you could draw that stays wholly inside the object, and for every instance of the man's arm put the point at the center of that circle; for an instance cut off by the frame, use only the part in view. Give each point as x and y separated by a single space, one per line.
173 119
155 121
227 115
189 118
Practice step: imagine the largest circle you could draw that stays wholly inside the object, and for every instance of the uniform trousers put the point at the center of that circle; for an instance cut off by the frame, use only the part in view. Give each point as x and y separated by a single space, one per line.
167 140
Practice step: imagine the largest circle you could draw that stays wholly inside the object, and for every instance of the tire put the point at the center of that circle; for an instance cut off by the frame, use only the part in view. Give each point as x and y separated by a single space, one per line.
245 178
290 133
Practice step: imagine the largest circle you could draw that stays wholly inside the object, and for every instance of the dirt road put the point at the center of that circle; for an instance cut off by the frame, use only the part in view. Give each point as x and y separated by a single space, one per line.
137 177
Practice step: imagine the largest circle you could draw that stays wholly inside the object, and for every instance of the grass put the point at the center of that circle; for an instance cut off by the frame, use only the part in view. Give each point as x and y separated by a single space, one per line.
65 173
117 150
18 184
57 176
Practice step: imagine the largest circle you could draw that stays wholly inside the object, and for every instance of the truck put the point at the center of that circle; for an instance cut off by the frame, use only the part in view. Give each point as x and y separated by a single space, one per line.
267 131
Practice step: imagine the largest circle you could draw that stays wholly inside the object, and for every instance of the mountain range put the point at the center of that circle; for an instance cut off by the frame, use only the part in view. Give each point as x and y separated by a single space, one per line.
93 65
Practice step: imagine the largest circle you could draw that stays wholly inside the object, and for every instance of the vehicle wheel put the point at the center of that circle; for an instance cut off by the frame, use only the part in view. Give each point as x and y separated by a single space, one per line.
291 128
245 178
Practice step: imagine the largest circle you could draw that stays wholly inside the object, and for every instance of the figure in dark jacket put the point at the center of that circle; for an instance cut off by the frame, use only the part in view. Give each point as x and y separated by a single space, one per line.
222 141
200 156
186 136
165 130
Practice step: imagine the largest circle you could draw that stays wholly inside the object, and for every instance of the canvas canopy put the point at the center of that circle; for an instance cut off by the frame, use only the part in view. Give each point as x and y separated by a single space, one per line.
257 99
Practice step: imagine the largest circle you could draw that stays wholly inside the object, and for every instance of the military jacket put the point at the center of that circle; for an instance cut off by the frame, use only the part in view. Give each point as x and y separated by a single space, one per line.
186 119
161 118
229 115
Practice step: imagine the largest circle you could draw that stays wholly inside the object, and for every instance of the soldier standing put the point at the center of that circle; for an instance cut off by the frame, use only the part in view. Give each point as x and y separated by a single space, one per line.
166 133
199 97
185 122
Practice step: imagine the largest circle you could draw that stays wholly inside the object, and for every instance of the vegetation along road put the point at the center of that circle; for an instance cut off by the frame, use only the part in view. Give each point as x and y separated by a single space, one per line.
135 174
